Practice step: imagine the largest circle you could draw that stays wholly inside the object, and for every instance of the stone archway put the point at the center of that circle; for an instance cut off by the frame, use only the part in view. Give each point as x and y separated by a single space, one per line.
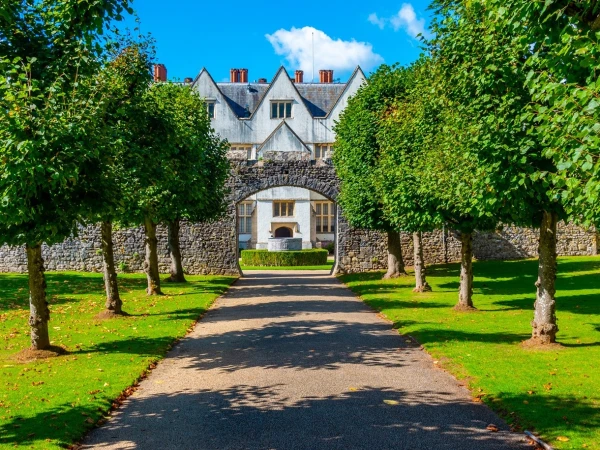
356 250
283 232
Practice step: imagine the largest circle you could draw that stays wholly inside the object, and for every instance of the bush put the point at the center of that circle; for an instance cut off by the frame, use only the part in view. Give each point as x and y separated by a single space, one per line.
313 257
330 247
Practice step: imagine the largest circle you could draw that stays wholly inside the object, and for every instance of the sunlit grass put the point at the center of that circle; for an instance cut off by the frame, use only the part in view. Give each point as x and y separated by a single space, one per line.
51 403
555 392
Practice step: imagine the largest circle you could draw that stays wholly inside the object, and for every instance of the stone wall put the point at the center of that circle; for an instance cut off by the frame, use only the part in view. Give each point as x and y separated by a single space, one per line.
212 248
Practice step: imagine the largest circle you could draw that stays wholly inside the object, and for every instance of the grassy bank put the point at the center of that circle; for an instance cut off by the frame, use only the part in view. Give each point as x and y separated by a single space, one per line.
554 392
51 403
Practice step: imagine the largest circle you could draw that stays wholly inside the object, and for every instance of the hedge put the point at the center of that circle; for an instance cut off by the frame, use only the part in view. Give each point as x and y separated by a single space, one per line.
312 257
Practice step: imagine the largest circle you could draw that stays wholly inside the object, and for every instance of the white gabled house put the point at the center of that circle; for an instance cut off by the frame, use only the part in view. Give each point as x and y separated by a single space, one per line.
285 119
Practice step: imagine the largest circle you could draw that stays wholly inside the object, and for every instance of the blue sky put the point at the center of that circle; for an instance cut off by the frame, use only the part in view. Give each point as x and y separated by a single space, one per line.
263 35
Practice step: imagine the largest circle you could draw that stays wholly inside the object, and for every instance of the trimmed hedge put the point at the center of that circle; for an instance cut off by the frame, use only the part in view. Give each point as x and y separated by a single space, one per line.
265 258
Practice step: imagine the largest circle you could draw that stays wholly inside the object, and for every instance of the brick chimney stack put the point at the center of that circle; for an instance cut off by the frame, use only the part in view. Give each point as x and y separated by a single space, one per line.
299 76
234 75
325 76
160 72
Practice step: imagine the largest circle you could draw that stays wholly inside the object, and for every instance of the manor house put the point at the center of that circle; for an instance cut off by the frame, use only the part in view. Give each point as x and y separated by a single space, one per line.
281 120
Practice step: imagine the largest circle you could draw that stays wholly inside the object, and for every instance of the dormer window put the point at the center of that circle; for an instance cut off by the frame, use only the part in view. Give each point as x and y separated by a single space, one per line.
281 109
210 108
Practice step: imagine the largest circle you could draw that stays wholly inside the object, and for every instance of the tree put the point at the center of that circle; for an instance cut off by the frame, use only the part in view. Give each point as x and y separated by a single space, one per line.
124 80
356 155
50 49
484 78
200 164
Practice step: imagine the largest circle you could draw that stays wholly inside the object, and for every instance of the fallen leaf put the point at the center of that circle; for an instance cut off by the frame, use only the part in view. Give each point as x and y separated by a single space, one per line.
491 427
562 439
391 402
90 420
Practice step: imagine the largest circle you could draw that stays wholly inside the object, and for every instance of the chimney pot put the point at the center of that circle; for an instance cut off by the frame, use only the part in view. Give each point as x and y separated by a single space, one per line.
188 80
243 75
325 76
160 72
234 75
262 80
299 76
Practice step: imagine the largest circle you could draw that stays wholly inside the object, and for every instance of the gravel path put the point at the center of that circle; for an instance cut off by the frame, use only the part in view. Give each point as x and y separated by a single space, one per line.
292 360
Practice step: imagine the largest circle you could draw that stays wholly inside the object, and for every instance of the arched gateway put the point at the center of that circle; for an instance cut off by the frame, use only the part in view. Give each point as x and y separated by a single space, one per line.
249 177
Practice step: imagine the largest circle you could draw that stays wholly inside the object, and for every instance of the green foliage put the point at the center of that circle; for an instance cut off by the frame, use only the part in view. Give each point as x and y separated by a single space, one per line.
357 149
554 392
123 266
51 403
330 248
265 258
50 52
562 42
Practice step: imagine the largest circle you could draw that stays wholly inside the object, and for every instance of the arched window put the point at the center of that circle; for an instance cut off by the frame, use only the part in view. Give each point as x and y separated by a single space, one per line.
283 232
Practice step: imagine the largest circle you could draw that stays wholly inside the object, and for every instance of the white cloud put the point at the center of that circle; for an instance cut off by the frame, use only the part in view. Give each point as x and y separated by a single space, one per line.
296 46
375 20
406 19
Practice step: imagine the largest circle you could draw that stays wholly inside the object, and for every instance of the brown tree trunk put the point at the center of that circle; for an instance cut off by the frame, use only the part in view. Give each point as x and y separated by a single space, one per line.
465 291
39 314
544 318
175 251
421 284
395 262
151 261
113 300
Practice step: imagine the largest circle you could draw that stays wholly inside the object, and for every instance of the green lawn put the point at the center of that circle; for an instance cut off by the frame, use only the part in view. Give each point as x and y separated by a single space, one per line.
51 403
556 392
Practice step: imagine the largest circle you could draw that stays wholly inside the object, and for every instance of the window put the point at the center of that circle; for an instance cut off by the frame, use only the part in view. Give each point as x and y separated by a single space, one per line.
210 108
283 209
243 148
281 109
323 151
325 217
245 217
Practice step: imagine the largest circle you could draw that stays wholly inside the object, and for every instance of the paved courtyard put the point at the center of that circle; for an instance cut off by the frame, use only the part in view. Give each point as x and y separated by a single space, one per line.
292 360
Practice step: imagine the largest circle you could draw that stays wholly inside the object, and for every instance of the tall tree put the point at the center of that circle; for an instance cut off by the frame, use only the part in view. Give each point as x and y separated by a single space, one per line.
199 163
49 51
483 76
124 80
356 155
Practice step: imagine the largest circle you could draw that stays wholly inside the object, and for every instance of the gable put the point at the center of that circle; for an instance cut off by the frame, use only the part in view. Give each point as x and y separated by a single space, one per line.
283 139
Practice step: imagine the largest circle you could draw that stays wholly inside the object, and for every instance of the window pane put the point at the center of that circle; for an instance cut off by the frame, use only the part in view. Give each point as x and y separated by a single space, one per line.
288 110
325 209
276 209
284 209
281 107
248 224
318 224
325 224
249 152
290 209
318 208
273 110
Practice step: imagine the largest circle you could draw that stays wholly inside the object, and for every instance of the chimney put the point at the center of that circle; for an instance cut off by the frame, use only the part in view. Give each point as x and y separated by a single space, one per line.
262 80
234 75
325 76
188 80
160 72
299 76
330 73
243 75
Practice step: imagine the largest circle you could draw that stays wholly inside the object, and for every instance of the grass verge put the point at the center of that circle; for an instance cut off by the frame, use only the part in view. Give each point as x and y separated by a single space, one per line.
52 403
555 392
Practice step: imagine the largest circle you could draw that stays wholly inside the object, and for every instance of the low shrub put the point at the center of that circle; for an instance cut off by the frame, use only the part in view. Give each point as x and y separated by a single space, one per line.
312 257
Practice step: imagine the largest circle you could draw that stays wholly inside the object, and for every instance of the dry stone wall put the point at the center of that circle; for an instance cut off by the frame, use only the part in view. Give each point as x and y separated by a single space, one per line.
212 248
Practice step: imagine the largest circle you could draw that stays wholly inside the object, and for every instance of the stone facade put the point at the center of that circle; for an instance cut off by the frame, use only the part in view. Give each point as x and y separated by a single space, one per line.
212 248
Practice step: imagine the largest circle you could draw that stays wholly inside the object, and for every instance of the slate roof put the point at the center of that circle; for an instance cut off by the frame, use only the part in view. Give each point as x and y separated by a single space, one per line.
243 98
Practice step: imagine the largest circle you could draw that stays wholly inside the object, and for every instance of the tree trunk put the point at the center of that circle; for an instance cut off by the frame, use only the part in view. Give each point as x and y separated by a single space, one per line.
151 261
39 314
395 262
544 318
421 284
113 300
465 291
175 251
